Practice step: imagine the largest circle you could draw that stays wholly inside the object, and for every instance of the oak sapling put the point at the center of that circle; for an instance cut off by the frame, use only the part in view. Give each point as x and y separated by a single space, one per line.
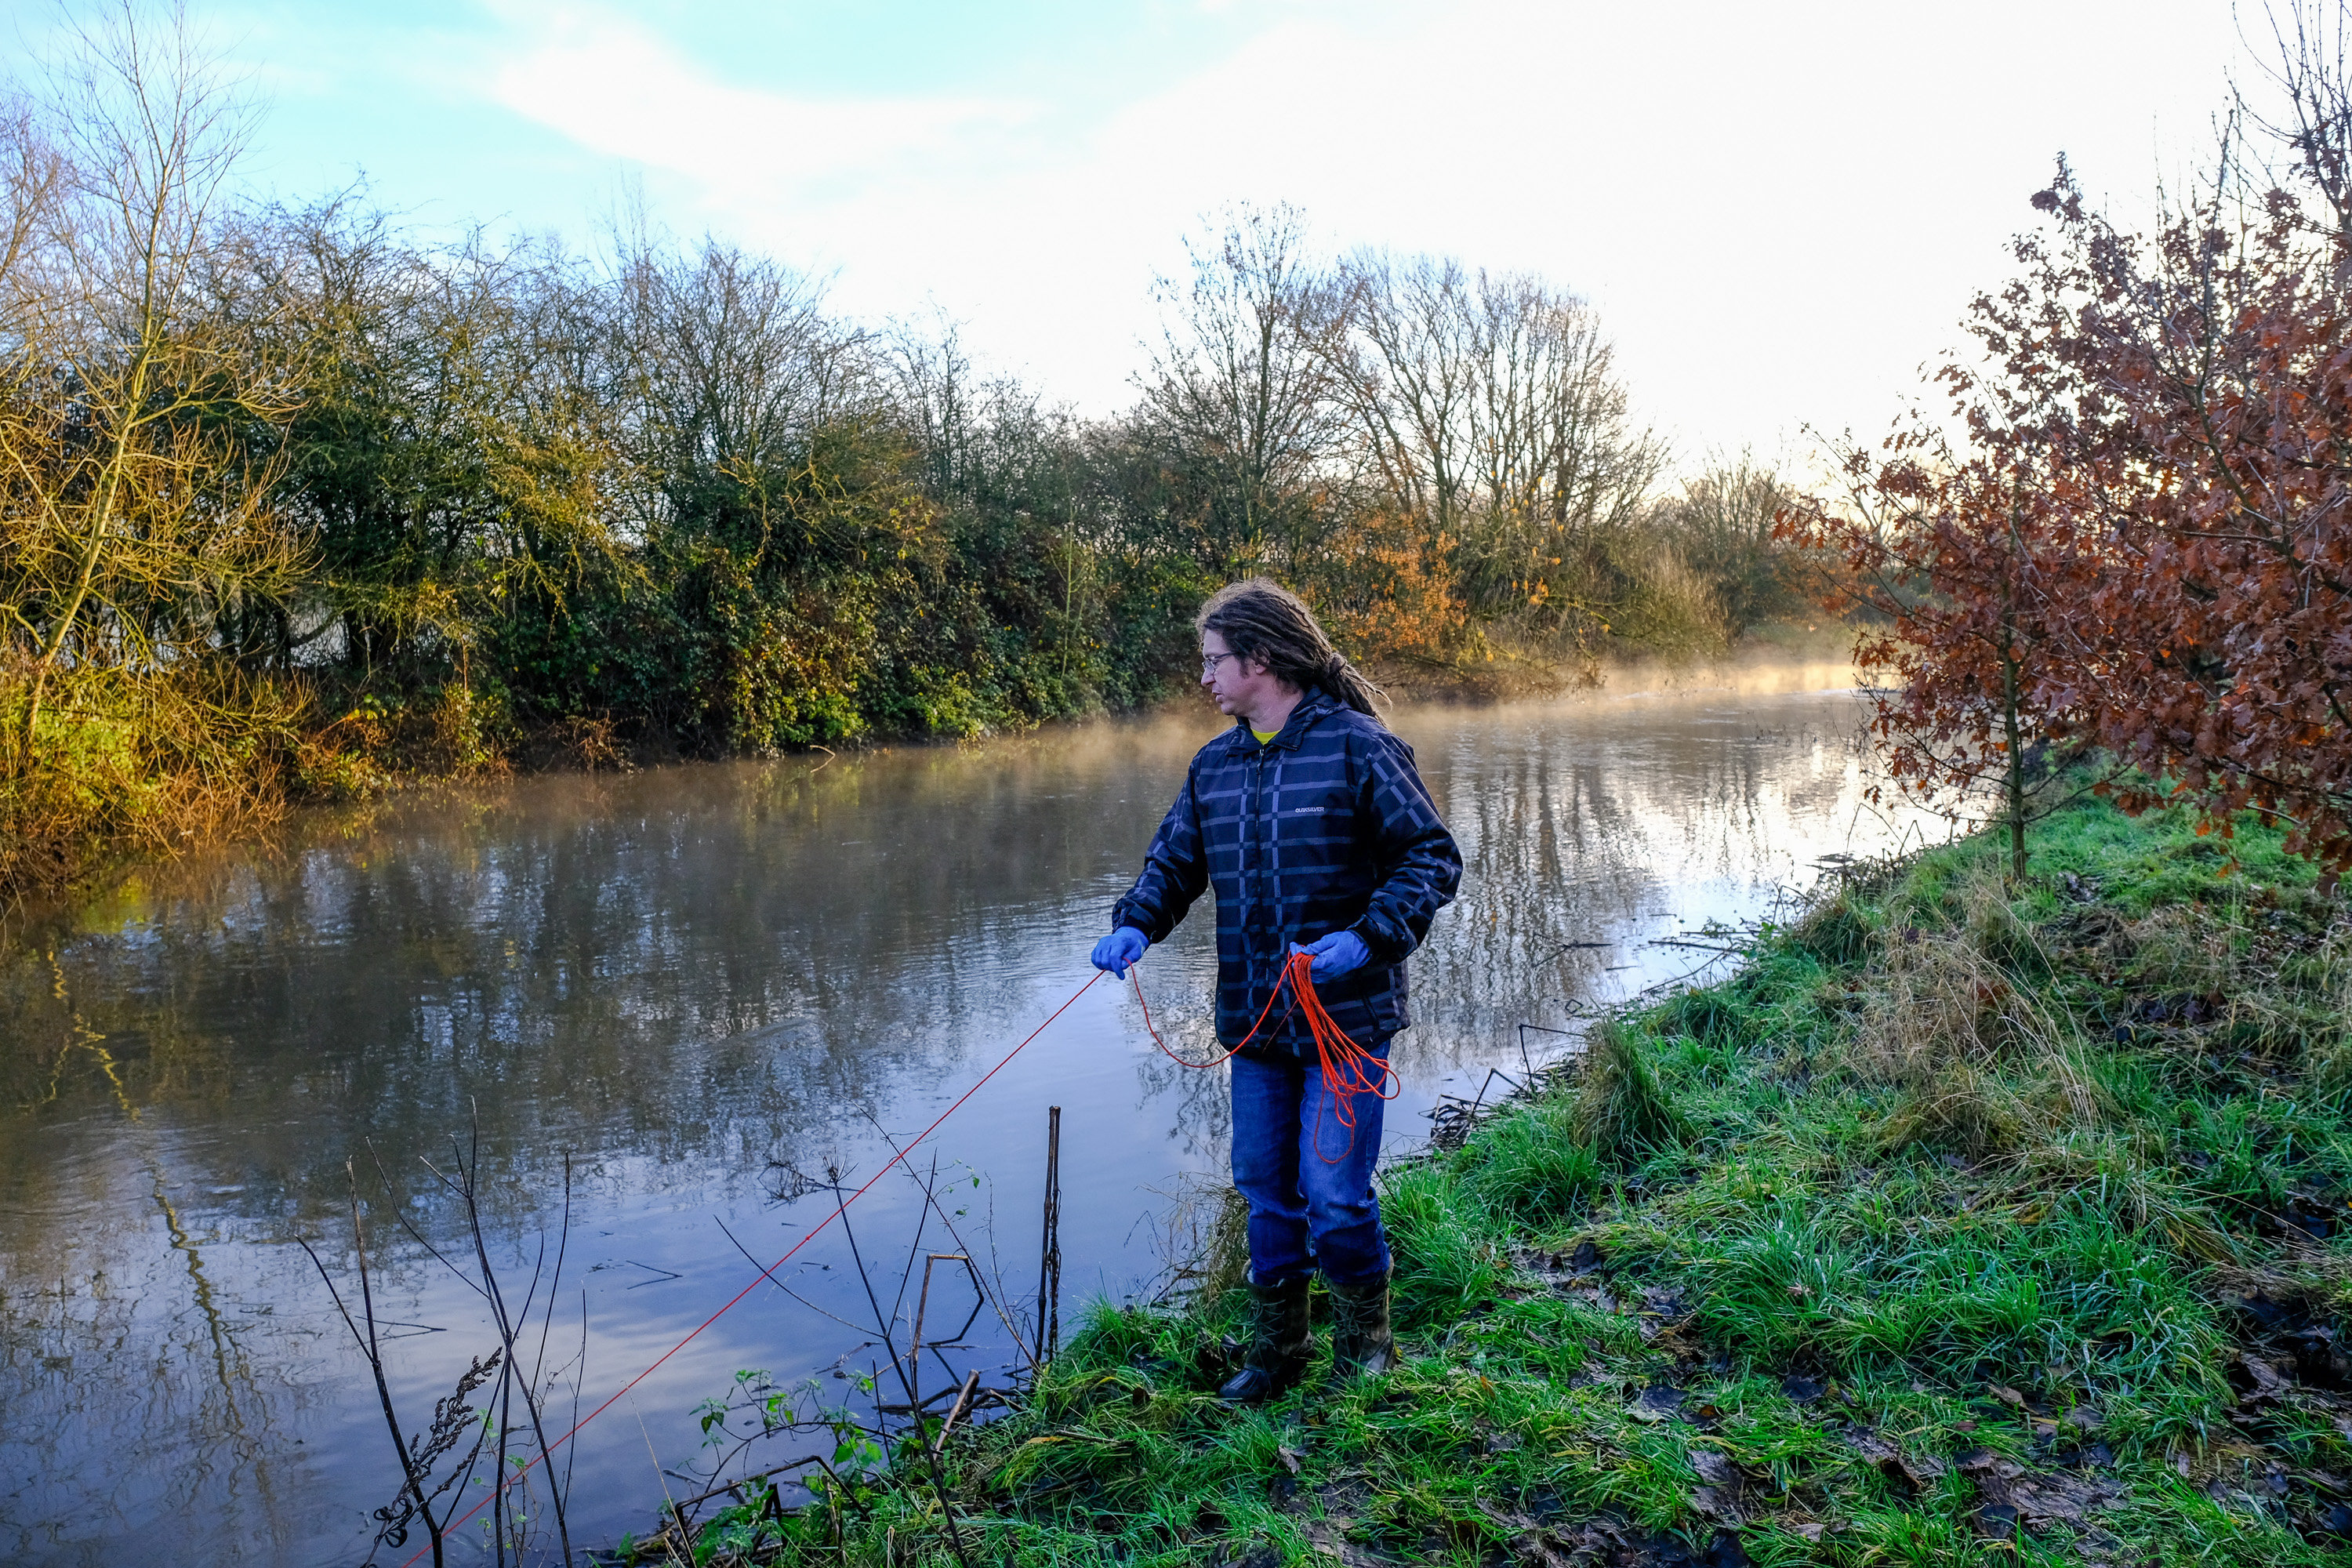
1962 572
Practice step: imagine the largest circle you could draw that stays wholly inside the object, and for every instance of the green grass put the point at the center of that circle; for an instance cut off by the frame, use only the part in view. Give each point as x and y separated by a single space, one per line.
1953 1218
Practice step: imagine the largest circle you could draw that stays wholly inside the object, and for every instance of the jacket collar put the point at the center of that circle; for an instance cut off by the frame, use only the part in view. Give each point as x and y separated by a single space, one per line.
1311 706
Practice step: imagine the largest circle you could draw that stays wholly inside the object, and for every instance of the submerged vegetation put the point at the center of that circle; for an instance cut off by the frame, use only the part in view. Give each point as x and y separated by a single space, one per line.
295 501
1971 1221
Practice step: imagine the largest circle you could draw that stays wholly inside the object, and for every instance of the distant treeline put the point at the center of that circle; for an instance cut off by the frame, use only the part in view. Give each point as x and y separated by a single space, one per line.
292 500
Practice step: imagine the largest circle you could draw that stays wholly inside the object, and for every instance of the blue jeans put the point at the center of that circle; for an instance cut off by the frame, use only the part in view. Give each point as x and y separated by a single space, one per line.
1307 1177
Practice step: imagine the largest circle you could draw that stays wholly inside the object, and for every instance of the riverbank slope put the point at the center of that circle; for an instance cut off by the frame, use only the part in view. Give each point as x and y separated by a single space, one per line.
1969 1222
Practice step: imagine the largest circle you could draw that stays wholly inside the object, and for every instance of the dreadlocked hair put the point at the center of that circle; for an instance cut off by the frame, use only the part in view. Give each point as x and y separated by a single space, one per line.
1267 623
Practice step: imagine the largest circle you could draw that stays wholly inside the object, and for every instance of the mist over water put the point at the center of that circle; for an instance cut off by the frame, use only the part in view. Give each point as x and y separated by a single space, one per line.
687 979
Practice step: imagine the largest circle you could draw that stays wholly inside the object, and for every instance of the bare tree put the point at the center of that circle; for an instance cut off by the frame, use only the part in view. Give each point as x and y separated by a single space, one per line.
734 368
2310 66
1550 425
1242 389
1488 404
1721 523
1409 361
31 174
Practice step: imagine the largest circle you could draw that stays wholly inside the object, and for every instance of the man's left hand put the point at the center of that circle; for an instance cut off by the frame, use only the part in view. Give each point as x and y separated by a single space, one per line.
1336 954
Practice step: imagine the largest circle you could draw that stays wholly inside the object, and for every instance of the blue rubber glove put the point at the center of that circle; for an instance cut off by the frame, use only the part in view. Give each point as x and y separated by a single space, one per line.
1119 949
1339 954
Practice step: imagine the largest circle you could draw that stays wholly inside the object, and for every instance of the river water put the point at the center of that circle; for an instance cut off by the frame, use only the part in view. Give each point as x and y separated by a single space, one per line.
697 982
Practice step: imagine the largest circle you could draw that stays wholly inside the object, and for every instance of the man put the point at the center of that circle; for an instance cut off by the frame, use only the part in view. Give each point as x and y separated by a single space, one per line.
1308 820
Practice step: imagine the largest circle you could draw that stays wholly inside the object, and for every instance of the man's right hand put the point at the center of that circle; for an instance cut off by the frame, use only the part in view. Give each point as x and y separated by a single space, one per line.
1119 949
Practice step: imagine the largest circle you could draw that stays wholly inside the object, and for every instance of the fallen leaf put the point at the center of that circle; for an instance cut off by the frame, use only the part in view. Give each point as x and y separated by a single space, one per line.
2047 1499
1290 1458
1656 1403
1870 1446
1925 1469
2267 1381
1329 1542
1345 1497
1534 1549
1715 1467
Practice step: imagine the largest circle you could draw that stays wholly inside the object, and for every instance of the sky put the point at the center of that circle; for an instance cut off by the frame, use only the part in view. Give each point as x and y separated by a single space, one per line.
1781 211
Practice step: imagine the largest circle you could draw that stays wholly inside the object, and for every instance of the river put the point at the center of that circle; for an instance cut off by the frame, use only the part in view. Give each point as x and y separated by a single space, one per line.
697 982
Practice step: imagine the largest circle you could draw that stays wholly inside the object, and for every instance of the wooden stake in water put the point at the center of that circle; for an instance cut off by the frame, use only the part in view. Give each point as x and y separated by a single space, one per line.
922 1304
1049 1255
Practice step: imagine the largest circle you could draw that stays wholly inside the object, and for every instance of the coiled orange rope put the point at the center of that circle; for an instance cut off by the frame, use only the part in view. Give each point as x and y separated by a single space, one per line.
1347 1068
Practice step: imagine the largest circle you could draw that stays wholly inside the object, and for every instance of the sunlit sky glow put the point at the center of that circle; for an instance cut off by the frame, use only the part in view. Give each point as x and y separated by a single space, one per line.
1781 210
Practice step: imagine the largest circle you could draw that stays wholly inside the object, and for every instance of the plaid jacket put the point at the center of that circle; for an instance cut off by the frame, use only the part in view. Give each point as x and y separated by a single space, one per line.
1324 827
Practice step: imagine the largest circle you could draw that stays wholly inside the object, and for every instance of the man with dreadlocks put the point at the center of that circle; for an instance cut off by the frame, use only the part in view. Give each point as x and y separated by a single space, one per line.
1308 820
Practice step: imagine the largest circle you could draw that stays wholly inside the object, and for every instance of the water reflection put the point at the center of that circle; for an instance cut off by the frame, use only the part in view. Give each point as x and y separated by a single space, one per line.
684 978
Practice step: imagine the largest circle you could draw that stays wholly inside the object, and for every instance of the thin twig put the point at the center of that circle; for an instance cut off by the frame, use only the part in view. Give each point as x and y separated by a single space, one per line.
939 1485
367 1344
769 1275
937 1207
962 1403
659 1474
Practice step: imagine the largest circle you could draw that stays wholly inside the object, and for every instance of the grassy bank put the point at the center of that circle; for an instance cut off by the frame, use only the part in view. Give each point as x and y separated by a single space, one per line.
1967 1223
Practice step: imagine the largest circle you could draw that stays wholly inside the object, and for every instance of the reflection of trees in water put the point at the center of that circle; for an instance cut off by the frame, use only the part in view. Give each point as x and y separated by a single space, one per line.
1574 834
669 963
143 1364
1180 981
67 1317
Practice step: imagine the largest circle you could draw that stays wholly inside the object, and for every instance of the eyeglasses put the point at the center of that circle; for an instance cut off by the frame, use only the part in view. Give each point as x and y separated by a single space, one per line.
1208 662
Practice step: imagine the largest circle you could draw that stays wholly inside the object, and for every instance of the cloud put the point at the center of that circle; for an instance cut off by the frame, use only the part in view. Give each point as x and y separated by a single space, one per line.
1781 211
619 90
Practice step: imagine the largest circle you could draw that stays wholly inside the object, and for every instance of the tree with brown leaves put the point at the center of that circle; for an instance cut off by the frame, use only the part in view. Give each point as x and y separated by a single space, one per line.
2142 544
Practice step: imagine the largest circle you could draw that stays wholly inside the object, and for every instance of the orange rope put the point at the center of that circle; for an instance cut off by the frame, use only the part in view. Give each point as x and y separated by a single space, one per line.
1347 1068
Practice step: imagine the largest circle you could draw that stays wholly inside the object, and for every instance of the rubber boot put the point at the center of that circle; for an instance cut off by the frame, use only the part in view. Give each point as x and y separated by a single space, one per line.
1276 1357
1360 1341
